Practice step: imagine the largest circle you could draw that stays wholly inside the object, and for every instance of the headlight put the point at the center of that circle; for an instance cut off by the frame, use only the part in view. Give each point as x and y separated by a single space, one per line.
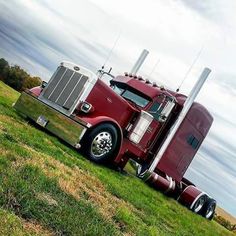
44 84
86 107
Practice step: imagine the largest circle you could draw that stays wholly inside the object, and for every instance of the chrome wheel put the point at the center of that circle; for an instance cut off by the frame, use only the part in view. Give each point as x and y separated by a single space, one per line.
101 144
210 211
199 204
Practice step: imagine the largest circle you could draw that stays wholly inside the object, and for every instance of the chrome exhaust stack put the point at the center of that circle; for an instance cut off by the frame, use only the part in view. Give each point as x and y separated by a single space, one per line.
139 62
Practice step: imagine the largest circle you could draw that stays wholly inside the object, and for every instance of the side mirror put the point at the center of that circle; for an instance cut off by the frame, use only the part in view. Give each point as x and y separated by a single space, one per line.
166 110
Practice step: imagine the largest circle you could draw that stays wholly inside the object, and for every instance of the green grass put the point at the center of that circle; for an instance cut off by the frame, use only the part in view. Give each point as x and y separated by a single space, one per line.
47 188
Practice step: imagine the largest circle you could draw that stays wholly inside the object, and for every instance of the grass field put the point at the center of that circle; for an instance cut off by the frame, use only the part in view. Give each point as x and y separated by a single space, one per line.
47 188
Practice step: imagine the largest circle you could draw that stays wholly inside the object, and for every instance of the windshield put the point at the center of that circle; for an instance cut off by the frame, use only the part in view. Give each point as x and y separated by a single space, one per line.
130 95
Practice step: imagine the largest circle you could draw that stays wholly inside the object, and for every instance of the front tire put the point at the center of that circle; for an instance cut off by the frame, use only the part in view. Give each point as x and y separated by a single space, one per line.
101 143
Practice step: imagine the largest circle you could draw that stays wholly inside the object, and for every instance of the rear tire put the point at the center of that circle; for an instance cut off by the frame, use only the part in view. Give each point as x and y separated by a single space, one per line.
198 206
101 143
208 209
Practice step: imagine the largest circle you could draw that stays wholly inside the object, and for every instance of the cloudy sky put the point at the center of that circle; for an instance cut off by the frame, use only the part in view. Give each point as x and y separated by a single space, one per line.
38 35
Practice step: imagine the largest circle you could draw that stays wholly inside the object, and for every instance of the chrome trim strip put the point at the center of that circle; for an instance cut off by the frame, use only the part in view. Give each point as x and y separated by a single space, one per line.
74 89
170 184
57 83
155 177
65 86
82 133
88 125
146 175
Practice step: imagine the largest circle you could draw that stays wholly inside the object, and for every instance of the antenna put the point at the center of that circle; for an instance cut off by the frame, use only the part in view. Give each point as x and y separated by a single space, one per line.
112 49
190 68
154 67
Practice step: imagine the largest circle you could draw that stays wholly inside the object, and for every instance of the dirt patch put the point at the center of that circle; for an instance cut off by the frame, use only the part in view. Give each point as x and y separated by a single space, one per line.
47 198
2 128
4 152
6 119
36 228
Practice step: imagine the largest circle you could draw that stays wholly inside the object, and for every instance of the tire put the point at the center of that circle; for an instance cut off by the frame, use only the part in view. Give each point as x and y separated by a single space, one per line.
198 206
101 144
208 209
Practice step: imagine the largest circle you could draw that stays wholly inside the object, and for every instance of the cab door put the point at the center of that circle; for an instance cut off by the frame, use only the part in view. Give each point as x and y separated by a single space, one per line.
160 110
155 126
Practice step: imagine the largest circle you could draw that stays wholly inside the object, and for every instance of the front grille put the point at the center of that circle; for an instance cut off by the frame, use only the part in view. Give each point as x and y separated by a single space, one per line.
65 87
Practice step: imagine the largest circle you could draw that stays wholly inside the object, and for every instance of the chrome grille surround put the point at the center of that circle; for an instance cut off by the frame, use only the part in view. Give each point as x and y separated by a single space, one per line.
69 85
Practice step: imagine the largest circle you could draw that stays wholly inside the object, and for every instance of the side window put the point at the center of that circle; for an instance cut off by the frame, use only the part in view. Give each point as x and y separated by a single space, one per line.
157 106
192 141
162 107
155 110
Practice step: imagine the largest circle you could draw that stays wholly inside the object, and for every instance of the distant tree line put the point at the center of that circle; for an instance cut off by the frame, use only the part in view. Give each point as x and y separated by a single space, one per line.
16 77
227 224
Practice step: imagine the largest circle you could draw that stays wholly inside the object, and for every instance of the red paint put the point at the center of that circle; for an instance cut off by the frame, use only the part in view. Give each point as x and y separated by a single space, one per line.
188 195
160 183
36 91
180 154
108 104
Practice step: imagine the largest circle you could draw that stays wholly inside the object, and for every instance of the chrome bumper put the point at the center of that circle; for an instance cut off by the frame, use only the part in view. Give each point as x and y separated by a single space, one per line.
57 123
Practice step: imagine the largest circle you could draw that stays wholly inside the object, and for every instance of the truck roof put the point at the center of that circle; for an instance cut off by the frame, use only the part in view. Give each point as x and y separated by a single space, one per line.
148 89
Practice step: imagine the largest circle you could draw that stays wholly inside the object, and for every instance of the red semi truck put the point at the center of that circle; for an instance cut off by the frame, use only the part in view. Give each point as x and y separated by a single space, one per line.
130 119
